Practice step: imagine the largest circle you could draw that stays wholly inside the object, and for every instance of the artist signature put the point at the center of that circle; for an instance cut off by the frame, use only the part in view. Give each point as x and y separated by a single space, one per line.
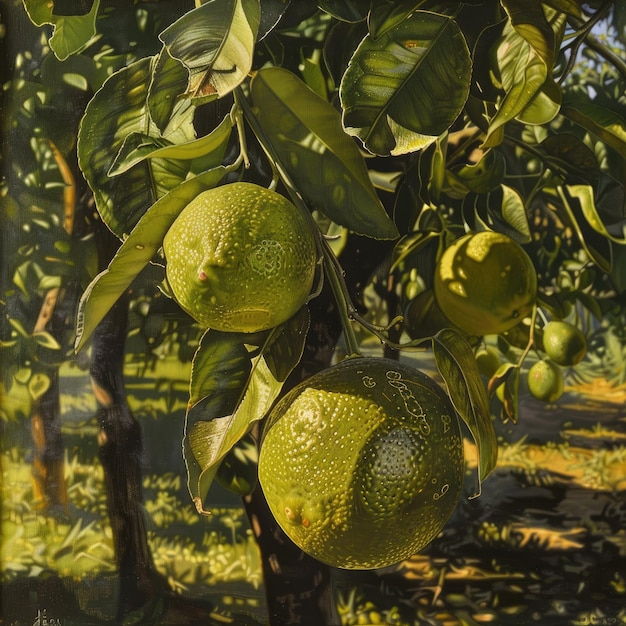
42 619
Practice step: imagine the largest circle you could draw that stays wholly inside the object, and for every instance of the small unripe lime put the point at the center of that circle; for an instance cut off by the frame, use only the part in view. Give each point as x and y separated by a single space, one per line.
564 343
545 381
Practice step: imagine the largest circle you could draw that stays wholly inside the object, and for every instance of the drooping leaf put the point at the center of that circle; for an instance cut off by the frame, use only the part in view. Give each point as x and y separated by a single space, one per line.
544 106
137 250
71 32
168 83
514 214
285 350
522 73
116 111
406 87
230 389
215 42
607 124
507 378
457 366
324 164
597 246
346 10
585 197
138 147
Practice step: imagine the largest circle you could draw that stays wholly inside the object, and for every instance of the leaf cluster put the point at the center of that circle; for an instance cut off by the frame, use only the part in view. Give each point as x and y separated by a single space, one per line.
407 121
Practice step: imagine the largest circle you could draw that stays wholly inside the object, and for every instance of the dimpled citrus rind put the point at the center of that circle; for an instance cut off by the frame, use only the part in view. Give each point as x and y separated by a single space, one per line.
240 258
485 283
362 464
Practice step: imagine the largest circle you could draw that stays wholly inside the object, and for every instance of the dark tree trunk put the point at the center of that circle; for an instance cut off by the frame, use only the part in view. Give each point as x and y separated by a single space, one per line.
120 451
297 587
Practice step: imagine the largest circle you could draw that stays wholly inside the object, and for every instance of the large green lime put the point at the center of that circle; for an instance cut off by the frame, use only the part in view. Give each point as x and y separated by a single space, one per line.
362 464
240 258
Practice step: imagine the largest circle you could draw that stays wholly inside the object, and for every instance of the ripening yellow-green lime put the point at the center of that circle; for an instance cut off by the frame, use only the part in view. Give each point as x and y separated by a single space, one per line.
240 258
485 283
564 343
545 381
362 464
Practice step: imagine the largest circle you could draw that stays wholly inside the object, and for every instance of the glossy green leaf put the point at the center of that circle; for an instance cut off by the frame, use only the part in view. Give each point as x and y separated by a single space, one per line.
544 106
138 147
169 81
230 389
514 214
597 246
570 7
388 14
585 197
116 111
71 32
572 152
406 87
284 351
608 125
522 73
215 42
457 366
345 10
324 164
137 250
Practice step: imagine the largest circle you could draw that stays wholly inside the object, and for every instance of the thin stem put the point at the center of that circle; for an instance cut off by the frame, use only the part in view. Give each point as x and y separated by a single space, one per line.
344 305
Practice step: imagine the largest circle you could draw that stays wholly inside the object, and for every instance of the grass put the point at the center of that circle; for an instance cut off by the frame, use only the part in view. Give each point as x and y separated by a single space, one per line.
194 553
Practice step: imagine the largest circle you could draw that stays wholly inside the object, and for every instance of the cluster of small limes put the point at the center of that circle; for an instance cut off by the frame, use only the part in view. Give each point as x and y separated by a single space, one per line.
562 345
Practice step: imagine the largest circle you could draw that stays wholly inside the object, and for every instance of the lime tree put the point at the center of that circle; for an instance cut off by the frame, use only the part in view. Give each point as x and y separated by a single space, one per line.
240 258
362 464
485 283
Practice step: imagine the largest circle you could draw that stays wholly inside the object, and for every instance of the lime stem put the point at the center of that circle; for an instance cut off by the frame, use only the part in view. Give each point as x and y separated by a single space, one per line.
340 293
237 117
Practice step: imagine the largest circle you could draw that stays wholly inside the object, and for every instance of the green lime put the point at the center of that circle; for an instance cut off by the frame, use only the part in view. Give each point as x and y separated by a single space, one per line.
564 343
240 258
545 381
362 464
485 283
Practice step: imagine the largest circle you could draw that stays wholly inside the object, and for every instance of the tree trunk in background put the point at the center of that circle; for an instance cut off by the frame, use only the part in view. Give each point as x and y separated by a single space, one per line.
48 469
120 451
